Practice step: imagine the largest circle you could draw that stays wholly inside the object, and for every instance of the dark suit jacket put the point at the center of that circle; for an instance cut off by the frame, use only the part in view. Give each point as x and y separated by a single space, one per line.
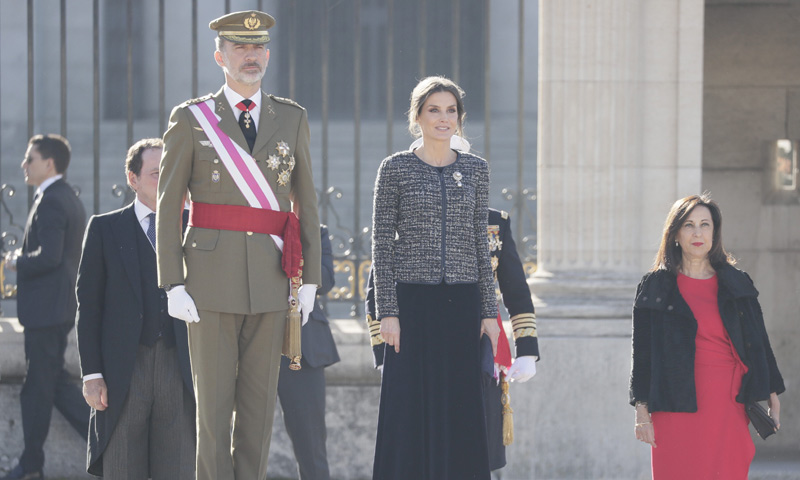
319 349
110 316
51 248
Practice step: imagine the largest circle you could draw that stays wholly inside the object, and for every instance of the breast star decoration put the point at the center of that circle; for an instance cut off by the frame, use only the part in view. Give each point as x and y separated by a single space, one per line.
283 158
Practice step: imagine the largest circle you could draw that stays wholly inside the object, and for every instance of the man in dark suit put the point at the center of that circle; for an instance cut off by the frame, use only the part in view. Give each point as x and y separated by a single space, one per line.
134 356
302 392
46 266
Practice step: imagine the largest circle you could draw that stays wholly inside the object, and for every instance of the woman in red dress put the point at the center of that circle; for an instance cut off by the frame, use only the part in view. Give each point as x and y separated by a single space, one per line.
700 352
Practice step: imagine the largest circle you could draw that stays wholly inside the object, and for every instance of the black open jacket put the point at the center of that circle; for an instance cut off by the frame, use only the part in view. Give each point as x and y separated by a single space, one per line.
664 331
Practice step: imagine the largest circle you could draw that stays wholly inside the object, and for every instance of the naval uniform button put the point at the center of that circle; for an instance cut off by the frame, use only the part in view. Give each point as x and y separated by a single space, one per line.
194 244
216 160
658 299
669 308
249 233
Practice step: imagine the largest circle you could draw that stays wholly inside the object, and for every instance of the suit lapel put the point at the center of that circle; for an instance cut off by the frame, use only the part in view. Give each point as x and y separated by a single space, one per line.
29 223
267 123
124 232
228 122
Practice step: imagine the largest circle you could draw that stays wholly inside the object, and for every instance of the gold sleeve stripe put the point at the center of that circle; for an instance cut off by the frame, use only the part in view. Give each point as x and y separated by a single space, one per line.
524 325
374 327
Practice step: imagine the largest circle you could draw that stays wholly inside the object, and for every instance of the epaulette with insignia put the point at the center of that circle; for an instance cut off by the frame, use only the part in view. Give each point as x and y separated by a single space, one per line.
504 214
197 100
287 101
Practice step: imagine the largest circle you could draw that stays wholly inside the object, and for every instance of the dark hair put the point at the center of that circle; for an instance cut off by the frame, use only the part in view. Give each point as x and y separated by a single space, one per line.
133 161
52 146
669 255
424 89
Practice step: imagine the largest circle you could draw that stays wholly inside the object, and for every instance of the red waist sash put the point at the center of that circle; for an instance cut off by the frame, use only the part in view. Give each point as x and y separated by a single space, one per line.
259 220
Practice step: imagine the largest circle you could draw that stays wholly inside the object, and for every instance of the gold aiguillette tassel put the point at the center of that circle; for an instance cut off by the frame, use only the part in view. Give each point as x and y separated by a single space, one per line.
508 413
291 339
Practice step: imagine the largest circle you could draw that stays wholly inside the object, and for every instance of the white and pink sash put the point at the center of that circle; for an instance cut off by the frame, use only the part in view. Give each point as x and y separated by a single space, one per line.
240 164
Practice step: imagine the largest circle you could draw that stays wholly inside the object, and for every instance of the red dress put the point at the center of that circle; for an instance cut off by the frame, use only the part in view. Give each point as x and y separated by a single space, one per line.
714 442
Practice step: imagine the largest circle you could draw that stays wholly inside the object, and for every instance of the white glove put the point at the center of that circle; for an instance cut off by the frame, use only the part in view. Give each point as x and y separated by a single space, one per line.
523 369
180 304
306 296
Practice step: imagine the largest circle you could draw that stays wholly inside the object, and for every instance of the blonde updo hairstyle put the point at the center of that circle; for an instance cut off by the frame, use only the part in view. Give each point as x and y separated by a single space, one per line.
424 89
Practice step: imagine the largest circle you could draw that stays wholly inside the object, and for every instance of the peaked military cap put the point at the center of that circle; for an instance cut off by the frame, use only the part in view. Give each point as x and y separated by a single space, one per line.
243 27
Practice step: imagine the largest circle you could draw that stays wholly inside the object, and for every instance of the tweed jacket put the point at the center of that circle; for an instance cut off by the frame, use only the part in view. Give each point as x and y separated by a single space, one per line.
230 271
664 331
429 227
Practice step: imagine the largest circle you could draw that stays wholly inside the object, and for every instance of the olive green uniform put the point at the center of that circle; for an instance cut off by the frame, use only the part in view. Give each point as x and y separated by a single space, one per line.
235 278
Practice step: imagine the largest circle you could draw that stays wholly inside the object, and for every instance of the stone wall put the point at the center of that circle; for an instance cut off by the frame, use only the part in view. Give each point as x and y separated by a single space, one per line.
752 96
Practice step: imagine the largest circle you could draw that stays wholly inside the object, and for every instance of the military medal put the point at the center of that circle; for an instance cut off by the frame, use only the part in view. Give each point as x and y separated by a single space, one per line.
247 120
494 238
273 162
284 159
282 148
457 177
215 176
283 177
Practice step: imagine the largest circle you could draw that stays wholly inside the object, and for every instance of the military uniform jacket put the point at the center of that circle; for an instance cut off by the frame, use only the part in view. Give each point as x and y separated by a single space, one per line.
230 271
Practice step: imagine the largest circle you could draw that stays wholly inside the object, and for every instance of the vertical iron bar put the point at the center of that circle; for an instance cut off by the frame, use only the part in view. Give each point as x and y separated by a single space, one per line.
96 102
260 5
456 48
1 136
487 79
194 49
63 33
520 119
129 70
325 78
423 35
162 77
357 149
389 76
292 48
227 6
30 84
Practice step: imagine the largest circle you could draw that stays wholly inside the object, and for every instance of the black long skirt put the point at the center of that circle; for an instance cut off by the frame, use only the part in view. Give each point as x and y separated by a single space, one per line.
431 422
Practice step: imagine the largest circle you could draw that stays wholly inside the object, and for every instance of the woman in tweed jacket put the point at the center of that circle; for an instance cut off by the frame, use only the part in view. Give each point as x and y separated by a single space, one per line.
434 290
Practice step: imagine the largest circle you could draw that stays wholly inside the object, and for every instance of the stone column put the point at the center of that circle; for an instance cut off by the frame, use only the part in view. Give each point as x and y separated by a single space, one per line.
620 106
620 115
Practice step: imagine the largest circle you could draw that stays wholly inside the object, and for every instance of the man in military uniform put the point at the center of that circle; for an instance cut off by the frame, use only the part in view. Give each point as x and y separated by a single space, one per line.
516 296
244 157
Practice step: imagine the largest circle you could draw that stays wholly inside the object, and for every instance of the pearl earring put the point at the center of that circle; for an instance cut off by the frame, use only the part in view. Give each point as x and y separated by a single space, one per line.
676 243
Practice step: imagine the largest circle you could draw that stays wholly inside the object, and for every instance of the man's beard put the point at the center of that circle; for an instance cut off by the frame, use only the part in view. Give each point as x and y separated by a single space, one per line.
249 78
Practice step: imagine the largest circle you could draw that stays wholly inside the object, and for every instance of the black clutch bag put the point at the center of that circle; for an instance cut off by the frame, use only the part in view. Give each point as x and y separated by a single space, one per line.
762 422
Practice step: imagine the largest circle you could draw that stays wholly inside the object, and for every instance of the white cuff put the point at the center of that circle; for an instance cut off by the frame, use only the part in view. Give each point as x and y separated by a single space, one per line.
92 376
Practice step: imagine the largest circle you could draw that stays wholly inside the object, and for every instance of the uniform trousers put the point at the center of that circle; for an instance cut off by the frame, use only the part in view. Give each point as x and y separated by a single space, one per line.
47 385
302 396
235 364
155 435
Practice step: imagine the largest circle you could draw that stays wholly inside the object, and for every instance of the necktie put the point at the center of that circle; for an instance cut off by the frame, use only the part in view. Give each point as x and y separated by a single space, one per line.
246 122
151 229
